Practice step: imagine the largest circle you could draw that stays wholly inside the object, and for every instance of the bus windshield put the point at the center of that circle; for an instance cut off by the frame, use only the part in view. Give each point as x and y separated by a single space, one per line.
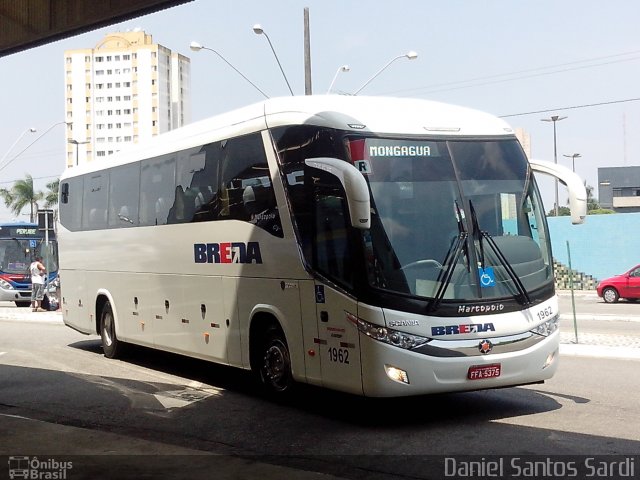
16 254
453 219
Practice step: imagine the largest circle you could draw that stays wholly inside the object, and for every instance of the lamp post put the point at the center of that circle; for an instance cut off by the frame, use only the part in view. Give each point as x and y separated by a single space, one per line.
258 30
196 47
573 160
77 144
32 130
554 119
410 55
343 68
37 138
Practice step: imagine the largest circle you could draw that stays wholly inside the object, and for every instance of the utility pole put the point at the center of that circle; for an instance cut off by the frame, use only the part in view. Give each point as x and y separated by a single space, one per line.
307 54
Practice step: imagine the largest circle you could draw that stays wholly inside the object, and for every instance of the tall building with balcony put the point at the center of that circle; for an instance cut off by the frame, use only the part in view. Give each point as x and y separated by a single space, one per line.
124 90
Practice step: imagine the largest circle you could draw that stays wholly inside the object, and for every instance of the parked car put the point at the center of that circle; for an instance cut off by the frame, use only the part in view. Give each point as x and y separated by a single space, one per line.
625 286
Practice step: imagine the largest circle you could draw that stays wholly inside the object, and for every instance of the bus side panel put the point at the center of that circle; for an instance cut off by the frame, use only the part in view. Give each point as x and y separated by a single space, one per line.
131 304
310 332
231 326
76 306
188 315
279 299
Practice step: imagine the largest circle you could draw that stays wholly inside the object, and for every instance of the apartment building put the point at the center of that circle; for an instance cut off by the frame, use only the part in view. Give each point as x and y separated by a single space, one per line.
124 90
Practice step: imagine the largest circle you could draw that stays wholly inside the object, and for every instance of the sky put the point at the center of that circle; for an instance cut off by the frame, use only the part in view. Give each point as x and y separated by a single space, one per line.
523 60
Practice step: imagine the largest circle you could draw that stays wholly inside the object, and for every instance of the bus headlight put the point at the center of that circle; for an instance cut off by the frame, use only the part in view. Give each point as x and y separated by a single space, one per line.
547 328
396 338
6 285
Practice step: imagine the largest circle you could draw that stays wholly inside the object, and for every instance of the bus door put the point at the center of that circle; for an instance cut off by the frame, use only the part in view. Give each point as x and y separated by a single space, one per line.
338 341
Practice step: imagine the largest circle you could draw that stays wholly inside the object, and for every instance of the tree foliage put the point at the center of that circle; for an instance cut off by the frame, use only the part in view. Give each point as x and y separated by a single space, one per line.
23 194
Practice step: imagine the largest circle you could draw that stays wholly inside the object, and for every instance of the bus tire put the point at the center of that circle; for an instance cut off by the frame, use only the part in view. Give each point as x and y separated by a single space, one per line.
274 367
110 343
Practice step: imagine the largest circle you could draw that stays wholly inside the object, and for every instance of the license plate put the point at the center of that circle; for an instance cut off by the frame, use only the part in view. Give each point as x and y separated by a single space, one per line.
480 372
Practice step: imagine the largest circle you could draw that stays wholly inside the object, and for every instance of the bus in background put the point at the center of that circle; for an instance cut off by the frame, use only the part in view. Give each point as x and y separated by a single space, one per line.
20 244
377 246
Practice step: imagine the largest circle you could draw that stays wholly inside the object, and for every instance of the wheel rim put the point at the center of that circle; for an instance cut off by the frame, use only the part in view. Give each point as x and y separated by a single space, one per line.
276 366
107 328
609 295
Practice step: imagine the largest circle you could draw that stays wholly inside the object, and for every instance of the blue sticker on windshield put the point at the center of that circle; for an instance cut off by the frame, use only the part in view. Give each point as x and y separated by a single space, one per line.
487 277
33 243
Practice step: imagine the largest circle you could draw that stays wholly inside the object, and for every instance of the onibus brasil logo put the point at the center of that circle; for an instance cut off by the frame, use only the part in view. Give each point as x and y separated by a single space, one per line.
37 469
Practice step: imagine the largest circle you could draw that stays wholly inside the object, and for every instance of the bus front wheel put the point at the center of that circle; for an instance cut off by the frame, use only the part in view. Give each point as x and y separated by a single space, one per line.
275 363
110 343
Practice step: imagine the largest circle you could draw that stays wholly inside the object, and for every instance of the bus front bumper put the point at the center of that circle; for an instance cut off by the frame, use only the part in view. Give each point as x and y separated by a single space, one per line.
390 371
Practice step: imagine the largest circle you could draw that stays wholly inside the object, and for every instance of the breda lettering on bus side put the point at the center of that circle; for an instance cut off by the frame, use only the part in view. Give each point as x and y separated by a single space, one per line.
227 252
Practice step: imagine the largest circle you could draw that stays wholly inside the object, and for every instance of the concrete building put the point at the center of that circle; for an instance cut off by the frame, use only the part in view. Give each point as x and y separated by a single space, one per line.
124 90
619 188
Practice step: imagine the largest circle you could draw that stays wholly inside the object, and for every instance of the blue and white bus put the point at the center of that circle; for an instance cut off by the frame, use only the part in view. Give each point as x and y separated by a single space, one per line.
378 246
20 244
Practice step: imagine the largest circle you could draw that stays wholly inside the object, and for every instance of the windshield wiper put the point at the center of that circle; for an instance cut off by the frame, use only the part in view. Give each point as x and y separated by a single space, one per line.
483 235
458 244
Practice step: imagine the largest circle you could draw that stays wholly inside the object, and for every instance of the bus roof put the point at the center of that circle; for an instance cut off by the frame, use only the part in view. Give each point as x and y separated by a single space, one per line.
382 115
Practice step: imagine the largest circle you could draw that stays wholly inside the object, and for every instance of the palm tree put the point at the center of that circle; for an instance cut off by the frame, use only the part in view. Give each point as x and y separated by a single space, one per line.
51 195
21 195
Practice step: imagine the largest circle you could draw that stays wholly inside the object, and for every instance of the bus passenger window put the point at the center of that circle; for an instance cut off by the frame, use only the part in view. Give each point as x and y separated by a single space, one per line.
246 191
157 189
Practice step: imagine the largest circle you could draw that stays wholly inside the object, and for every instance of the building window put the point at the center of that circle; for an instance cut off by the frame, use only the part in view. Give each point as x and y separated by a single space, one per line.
100 153
99 72
99 59
126 57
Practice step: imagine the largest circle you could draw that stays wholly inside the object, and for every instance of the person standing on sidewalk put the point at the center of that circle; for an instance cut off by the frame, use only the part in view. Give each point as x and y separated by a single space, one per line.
38 272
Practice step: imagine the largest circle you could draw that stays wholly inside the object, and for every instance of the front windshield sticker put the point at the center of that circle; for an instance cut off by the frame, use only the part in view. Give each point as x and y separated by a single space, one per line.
399 150
487 277
363 166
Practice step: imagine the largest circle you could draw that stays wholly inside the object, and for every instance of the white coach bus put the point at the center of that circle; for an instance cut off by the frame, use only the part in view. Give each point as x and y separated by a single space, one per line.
378 246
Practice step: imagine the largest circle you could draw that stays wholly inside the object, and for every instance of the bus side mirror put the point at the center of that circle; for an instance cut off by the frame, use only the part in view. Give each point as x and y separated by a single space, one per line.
355 187
577 191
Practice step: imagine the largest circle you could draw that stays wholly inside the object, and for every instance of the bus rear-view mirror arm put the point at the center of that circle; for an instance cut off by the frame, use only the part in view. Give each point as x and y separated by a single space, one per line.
355 187
577 190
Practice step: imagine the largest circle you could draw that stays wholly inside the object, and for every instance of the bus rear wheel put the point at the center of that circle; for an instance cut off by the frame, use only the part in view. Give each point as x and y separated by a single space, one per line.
110 343
275 363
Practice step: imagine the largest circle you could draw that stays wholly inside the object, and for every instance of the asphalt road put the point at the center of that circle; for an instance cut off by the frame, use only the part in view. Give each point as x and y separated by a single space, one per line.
163 416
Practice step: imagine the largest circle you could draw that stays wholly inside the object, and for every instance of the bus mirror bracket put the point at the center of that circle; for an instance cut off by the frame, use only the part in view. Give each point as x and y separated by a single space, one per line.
577 190
355 187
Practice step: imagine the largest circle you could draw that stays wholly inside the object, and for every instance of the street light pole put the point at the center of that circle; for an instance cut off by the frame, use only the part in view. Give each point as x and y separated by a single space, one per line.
28 146
258 30
554 119
32 130
573 160
410 55
196 47
343 68
77 144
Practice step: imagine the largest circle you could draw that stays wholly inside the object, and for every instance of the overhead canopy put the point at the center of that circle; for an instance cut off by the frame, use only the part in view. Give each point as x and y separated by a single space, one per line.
29 23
